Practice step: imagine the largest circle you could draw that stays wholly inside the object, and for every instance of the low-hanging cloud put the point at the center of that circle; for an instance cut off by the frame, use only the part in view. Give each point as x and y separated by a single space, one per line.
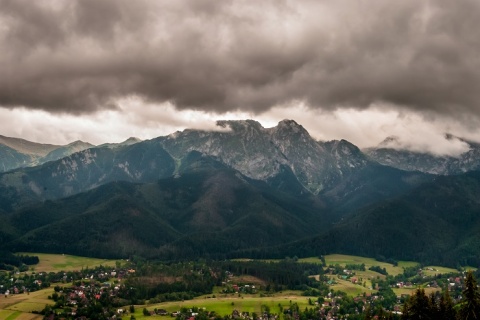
218 56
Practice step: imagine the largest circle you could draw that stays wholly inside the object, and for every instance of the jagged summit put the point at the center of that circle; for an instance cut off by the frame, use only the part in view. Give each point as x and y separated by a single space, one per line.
287 126
288 123
240 125
344 145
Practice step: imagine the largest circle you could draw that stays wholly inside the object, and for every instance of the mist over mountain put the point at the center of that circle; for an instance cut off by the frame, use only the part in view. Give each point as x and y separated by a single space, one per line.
17 153
241 190
391 153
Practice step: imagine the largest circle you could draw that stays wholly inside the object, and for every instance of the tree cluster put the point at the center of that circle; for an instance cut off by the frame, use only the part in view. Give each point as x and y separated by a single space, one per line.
8 261
432 307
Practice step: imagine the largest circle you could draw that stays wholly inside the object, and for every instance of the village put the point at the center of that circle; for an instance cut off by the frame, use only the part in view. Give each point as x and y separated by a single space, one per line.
108 291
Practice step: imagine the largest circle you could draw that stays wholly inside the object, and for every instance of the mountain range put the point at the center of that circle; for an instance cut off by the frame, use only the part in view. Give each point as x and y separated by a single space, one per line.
243 190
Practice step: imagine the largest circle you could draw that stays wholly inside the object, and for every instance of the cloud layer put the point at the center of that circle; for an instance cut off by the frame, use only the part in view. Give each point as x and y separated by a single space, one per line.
365 128
84 56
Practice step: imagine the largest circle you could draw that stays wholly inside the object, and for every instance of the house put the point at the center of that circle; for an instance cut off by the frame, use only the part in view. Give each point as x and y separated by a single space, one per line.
162 312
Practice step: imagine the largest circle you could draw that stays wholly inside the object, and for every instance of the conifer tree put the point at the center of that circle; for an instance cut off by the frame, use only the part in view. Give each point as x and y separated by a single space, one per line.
470 307
445 309
433 306
417 307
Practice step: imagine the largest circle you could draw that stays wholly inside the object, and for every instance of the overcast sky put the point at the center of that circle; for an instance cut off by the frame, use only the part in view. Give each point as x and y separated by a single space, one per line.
105 70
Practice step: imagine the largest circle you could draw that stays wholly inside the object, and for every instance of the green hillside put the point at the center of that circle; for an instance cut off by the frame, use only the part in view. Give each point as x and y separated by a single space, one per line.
438 222
206 208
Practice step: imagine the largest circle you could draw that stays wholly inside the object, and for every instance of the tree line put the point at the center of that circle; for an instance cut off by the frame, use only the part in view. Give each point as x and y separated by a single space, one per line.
8 260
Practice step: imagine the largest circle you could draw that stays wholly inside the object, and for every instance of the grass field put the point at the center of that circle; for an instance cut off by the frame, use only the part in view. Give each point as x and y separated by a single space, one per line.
60 262
225 305
343 259
354 290
349 288
434 270
358 289
20 306
410 291
407 264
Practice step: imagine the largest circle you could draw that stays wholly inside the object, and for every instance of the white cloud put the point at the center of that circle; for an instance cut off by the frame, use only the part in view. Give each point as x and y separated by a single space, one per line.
147 120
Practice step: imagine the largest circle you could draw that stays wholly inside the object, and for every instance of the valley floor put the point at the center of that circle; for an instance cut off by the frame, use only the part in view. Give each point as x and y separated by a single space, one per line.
20 306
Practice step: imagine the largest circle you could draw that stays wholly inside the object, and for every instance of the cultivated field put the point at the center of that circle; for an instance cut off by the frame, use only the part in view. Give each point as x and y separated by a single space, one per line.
20 306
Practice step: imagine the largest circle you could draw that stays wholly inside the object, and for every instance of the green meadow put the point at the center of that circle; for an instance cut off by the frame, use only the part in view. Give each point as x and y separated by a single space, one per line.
20 306
64 262
369 262
434 270
226 304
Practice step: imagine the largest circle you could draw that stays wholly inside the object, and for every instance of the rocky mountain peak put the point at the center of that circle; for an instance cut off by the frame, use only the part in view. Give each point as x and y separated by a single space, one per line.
289 133
290 127
240 125
342 146
390 142
249 130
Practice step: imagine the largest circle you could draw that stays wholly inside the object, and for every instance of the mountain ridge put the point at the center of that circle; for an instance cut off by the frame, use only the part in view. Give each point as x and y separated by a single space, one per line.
426 162
206 198
241 189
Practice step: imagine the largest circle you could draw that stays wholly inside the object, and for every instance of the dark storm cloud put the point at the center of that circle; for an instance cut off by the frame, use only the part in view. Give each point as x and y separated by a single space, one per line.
80 56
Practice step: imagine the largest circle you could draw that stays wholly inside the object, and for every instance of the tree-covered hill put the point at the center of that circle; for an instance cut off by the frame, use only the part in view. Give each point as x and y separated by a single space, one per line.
438 222
205 208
